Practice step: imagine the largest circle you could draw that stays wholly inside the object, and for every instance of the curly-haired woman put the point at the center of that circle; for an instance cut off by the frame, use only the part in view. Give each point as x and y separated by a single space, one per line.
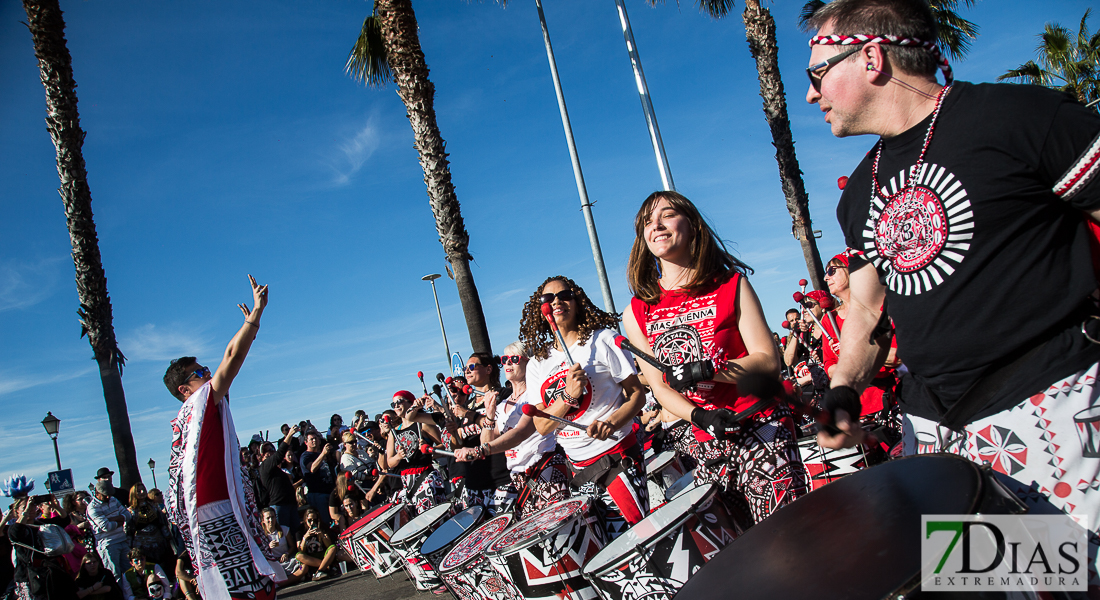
600 390
423 485
695 311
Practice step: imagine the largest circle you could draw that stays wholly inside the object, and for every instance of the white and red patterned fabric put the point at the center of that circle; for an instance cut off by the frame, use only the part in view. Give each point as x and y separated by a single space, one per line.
223 535
1046 449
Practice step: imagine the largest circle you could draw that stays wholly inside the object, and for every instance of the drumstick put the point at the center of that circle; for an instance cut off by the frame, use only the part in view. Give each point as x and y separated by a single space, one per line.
798 297
548 312
446 407
803 282
376 473
469 389
420 375
625 344
366 439
531 411
426 449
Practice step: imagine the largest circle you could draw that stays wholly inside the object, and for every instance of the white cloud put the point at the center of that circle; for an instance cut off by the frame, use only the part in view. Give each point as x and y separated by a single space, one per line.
11 382
27 284
150 342
354 152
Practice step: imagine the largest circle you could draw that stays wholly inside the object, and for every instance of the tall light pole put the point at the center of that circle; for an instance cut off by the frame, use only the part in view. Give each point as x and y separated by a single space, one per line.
52 424
647 104
586 206
152 465
446 346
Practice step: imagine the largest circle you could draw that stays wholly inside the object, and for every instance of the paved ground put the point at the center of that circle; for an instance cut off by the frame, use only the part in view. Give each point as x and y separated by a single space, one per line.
358 586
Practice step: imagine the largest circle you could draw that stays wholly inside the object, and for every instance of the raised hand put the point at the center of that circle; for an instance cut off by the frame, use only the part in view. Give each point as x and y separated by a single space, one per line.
259 299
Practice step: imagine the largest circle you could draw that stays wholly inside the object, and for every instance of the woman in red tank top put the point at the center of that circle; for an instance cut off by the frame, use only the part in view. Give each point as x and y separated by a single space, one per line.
695 311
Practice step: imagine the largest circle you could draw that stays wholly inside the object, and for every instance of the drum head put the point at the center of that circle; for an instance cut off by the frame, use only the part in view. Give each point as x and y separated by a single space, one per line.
367 518
476 543
375 518
858 537
421 523
539 526
659 462
452 529
681 484
652 529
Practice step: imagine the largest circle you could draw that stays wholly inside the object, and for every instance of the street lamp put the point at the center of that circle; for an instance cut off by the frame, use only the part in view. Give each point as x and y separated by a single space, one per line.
152 465
52 423
446 346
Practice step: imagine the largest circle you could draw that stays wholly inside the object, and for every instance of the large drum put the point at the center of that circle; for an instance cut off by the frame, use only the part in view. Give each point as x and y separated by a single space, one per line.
683 483
824 465
446 536
543 554
367 540
856 538
662 471
408 540
466 571
653 559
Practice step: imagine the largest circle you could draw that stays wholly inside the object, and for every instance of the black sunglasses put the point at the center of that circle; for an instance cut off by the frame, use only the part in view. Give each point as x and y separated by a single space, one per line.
817 72
564 295
202 372
832 270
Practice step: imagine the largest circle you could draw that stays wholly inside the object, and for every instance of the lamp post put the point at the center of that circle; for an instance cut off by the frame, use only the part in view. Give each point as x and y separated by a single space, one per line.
152 465
52 423
446 346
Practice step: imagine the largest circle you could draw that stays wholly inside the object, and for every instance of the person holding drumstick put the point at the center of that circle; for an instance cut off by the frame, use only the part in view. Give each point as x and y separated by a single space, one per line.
423 485
694 311
537 464
591 382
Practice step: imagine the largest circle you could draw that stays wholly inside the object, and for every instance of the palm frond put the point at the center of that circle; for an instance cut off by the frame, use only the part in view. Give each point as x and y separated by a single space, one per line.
955 32
1029 72
715 8
367 62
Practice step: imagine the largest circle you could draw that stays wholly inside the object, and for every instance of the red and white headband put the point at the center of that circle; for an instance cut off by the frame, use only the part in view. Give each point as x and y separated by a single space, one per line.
859 39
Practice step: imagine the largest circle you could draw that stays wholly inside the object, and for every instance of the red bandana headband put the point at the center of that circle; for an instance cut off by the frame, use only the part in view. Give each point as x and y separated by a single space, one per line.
859 38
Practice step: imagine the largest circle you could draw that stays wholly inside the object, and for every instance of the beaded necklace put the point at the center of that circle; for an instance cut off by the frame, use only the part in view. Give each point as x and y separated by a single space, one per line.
907 189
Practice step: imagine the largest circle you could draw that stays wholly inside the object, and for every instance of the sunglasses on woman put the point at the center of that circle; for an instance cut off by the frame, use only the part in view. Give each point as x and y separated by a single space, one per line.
832 270
508 359
564 295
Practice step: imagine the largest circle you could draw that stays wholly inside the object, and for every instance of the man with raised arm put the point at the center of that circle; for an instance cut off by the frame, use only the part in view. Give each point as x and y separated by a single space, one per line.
971 215
209 496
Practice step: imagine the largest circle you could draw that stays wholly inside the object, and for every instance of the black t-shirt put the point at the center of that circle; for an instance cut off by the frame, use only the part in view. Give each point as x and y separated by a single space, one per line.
487 473
280 489
984 261
320 480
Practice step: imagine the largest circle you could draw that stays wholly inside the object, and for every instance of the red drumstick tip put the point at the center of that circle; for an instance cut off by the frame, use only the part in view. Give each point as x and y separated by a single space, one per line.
798 296
548 312
448 380
426 449
619 340
420 375
467 390
802 282
374 473
529 410
785 325
842 181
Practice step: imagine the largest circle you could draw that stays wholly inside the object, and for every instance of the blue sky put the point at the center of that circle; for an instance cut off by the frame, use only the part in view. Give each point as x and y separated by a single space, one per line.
225 139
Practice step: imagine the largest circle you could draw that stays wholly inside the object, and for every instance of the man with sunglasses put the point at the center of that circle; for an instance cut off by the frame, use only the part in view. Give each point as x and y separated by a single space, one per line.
971 212
209 496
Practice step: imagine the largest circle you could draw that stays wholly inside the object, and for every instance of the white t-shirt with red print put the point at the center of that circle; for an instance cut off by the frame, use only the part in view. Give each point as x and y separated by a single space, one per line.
530 451
606 366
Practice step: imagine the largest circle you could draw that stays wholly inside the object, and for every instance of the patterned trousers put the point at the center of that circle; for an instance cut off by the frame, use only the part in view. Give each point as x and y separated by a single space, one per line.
622 502
1046 449
758 469
549 485
427 494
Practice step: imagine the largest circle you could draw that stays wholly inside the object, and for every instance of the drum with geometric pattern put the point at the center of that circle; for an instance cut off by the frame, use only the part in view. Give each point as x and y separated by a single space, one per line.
466 571
369 539
824 465
543 554
408 539
653 559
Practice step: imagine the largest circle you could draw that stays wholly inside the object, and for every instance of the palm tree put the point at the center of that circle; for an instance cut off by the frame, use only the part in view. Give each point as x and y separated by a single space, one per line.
1064 64
47 28
388 47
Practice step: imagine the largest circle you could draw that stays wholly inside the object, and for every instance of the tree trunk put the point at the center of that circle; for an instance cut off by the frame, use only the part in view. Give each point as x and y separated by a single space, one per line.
399 33
47 27
760 33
